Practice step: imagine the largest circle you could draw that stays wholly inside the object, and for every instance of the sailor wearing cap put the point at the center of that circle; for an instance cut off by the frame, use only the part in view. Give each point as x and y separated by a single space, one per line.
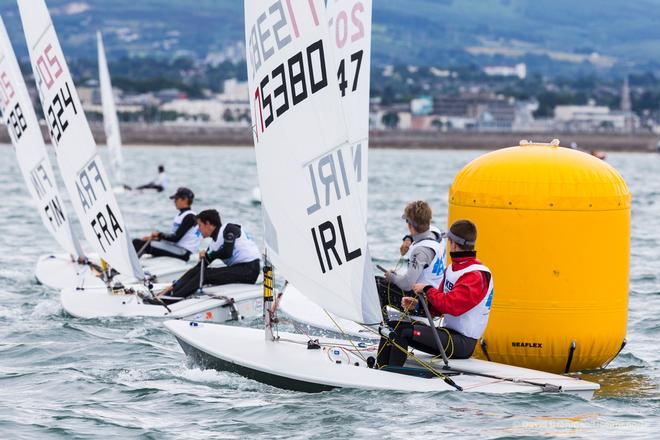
464 299
184 238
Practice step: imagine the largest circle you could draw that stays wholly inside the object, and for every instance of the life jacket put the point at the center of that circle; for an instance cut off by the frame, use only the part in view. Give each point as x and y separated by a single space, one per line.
245 249
473 322
432 274
162 180
192 238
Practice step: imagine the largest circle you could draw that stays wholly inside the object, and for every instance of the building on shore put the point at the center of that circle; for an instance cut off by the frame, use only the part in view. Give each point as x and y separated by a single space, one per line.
593 118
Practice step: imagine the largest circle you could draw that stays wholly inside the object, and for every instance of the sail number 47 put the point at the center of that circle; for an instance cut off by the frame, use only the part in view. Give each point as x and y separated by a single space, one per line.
356 59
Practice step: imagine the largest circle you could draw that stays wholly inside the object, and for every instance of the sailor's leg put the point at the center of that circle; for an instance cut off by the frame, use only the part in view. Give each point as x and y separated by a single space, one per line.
187 284
137 244
394 353
245 273
148 186
456 345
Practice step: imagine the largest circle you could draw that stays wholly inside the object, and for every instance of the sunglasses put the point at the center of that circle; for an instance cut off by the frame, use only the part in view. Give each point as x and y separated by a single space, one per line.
408 221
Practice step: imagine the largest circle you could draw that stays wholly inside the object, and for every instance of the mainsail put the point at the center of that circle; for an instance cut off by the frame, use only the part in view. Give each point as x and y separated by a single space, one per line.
314 226
350 33
82 170
110 120
18 114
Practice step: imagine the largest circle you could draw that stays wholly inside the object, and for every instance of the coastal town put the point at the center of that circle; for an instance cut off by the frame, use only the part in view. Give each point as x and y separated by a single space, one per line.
206 102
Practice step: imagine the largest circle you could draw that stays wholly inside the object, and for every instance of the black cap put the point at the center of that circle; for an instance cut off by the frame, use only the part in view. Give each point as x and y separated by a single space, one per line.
183 193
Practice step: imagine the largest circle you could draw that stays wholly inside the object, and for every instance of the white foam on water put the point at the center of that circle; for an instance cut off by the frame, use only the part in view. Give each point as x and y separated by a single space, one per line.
46 308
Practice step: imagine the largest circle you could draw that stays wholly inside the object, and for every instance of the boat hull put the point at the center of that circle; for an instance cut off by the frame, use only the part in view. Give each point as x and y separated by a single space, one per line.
58 271
219 304
289 364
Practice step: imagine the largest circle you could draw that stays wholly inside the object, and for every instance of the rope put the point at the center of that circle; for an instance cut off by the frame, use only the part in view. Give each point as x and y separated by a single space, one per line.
412 355
359 354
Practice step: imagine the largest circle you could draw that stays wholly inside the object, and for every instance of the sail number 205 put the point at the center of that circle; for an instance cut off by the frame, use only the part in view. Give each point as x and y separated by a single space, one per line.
291 83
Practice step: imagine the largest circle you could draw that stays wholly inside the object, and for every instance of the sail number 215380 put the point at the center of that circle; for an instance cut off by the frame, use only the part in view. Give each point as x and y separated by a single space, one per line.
290 83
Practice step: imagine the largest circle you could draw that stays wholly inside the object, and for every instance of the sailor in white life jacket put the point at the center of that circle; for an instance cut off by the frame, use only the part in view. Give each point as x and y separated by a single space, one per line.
183 240
426 262
464 298
160 184
232 245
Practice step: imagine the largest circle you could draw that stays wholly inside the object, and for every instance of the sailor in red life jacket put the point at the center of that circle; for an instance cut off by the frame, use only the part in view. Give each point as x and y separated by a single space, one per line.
464 298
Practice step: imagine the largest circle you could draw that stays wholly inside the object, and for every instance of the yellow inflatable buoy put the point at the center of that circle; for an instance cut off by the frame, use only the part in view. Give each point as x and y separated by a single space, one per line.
554 227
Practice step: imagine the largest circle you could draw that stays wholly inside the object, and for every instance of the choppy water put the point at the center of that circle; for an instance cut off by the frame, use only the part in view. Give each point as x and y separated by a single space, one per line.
67 378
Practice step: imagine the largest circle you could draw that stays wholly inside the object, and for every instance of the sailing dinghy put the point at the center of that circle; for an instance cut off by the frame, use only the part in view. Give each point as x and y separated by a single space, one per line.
316 235
110 120
73 267
88 186
25 133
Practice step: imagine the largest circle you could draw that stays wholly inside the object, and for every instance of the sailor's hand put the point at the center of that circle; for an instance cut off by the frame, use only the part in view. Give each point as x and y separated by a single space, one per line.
202 255
408 303
389 274
155 235
405 246
146 238
418 288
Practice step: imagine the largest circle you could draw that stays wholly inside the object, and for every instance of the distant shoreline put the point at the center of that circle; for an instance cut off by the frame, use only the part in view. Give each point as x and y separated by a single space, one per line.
195 135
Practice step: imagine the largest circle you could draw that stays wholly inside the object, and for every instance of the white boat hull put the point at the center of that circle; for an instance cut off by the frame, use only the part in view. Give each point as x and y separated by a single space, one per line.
289 364
58 271
216 306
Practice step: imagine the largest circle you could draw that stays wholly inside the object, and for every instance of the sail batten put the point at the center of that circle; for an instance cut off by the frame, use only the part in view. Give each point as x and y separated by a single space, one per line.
25 133
82 170
310 195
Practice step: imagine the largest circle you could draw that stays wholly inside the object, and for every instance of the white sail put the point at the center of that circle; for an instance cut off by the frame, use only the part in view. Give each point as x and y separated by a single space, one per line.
18 114
110 120
82 170
314 228
350 33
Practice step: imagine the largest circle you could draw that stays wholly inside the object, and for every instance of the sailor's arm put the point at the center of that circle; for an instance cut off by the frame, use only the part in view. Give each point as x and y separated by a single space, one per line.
419 260
469 290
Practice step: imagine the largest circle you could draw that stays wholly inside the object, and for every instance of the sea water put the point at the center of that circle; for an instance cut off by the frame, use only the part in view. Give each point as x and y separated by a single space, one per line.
62 377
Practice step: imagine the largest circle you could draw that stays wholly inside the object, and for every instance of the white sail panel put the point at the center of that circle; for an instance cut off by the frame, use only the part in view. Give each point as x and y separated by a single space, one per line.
18 114
110 120
82 170
350 33
315 231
